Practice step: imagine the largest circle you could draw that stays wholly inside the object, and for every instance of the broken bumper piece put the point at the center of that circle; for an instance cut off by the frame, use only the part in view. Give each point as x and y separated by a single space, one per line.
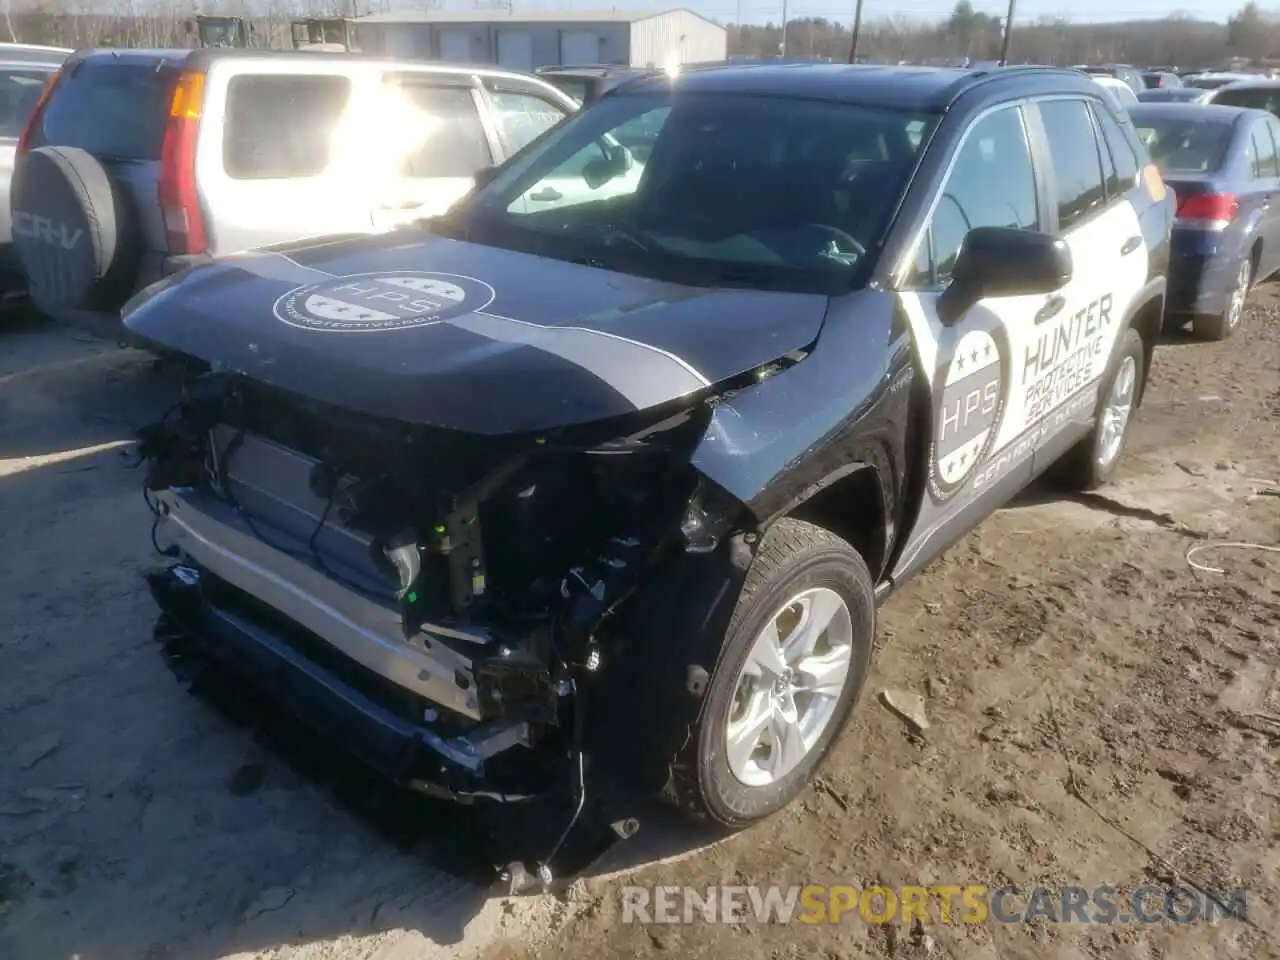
334 659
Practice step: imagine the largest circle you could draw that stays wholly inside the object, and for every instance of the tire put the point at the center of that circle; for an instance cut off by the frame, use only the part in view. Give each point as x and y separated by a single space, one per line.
1090 463
73 231
794 557
1219 326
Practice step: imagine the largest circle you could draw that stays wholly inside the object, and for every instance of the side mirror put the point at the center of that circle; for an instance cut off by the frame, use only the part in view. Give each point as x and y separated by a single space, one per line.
484 176
615 160
1003 262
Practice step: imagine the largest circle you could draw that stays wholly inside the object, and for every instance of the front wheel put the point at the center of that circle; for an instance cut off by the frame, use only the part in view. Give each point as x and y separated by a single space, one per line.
793 664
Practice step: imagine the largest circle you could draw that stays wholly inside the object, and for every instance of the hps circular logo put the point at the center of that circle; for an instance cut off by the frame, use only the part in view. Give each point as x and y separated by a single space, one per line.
970 401
382 301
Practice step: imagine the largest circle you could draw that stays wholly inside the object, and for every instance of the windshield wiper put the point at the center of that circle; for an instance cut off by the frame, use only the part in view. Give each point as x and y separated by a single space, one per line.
639 239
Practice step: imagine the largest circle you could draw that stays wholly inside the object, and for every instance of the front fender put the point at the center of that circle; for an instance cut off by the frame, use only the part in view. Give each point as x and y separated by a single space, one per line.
842 408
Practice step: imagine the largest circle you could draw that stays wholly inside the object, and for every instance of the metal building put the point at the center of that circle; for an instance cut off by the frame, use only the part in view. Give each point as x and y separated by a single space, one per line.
526 40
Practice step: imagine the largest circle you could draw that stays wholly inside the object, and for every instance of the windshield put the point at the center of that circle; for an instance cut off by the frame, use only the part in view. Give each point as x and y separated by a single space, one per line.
1183 145
220 33
576 87
760 191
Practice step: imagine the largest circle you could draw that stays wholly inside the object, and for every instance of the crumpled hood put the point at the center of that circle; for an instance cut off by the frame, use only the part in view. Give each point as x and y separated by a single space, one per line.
430 330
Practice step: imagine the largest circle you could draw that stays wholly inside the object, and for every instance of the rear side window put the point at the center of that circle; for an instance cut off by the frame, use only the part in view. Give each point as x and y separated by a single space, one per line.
19 90
281 127
109 109
1264 148
523 117
1077 169
1119 147
446 136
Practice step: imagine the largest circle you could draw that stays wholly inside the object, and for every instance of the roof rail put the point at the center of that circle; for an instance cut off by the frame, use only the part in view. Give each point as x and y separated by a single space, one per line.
976 78
35 46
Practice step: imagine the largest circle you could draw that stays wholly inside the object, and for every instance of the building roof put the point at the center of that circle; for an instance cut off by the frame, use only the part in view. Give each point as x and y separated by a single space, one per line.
521 16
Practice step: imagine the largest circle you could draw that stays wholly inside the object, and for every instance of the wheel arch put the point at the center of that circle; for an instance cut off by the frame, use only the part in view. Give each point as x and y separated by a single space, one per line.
1147 317
850 503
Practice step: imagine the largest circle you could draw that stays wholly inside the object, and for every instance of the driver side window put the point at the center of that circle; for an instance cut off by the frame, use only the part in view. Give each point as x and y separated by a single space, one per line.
991 184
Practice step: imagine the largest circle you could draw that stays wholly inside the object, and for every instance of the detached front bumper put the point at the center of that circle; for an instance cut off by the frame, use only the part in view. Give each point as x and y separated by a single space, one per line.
333 658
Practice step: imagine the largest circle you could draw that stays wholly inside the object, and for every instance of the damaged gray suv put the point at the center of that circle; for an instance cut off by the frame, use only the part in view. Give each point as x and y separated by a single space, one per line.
554 491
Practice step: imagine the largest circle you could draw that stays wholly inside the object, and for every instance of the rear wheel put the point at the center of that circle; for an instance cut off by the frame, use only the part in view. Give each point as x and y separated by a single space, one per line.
792 667
1219 326
1091 463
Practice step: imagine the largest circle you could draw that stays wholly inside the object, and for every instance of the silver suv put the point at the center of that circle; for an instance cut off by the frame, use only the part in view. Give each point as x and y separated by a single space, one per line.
137 163
24 70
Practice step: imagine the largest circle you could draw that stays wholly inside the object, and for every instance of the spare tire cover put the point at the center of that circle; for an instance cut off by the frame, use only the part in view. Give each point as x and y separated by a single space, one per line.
68 226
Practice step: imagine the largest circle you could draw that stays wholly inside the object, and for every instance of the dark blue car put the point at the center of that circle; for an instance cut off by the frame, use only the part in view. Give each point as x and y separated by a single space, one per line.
1222 165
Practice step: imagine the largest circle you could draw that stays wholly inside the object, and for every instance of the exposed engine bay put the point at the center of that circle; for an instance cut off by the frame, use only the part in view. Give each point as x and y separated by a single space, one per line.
461 584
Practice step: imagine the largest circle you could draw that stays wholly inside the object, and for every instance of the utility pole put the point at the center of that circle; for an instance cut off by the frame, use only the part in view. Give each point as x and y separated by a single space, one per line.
1008 34
857 28
782 47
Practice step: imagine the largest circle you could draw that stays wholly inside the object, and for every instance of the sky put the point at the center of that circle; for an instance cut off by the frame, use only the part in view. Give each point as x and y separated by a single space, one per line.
761 11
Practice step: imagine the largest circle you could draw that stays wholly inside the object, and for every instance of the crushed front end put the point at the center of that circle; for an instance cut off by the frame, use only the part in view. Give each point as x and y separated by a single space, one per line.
434 601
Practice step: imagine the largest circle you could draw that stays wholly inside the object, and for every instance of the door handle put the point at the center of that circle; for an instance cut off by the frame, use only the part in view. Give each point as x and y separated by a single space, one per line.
547 194
1130 245
1051 308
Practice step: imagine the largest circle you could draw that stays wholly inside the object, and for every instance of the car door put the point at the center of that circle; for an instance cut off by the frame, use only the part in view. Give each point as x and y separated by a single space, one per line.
436 142
977 452
1056 378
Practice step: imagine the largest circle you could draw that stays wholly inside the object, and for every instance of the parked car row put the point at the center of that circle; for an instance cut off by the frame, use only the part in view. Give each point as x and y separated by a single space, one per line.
1216 140
137 163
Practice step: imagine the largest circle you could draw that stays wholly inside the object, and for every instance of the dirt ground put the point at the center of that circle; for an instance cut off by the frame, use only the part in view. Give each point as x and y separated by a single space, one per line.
1064 642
